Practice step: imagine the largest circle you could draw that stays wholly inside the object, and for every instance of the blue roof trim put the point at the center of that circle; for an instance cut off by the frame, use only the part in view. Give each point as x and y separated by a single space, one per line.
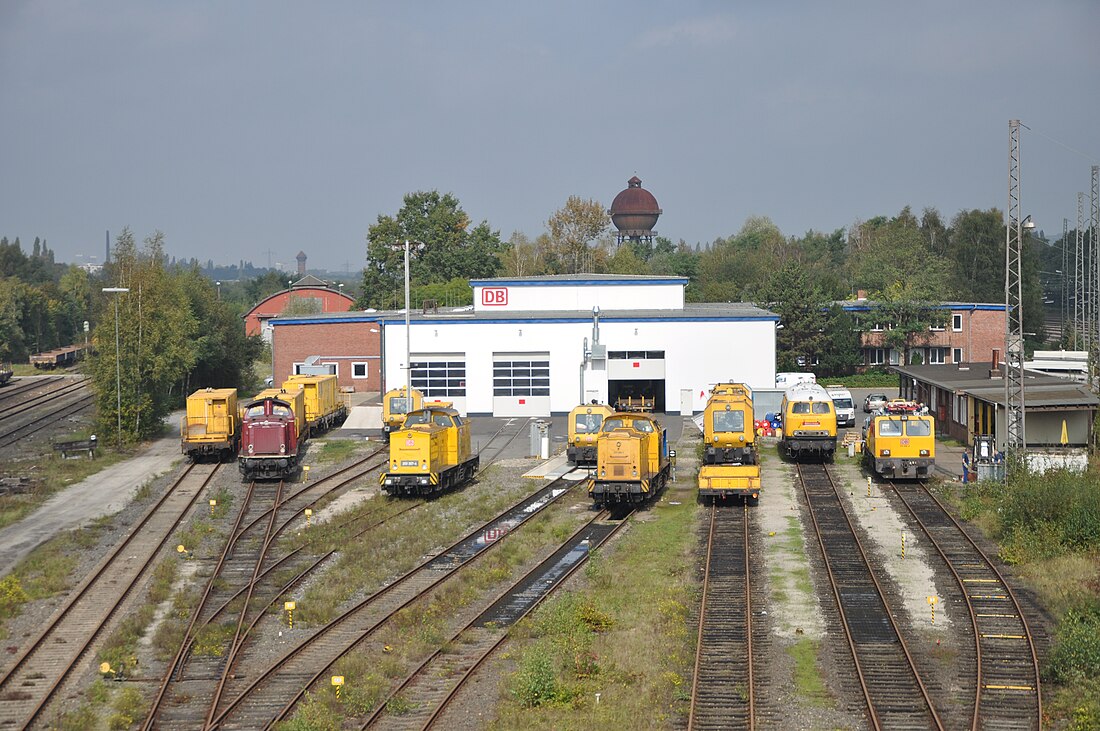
854 307
573 283
326 320
587 320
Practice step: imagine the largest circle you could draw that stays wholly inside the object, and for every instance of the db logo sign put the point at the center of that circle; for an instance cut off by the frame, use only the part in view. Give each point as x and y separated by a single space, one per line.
494 296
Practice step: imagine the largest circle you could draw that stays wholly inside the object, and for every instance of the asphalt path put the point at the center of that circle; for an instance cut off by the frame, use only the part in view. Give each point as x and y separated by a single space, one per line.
104 493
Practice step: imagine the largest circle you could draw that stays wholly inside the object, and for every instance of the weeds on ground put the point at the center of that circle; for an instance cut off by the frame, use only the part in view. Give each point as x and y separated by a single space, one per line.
337 450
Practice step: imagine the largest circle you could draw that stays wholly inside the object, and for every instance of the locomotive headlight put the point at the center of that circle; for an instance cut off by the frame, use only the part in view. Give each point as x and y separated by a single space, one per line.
395 464
603 472
884 453
282 449
716 437
425 465
741 438
251 448
924 453
633 473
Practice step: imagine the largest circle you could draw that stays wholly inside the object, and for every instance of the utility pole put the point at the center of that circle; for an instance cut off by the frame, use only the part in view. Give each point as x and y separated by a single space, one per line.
1082 320
1015 442
1062 280
1094 226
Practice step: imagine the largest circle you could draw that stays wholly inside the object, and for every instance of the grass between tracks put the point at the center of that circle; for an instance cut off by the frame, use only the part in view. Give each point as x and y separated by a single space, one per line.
625 635
1049 528
426 626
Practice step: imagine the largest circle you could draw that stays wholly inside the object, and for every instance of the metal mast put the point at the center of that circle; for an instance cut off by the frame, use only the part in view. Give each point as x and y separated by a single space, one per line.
1083 326
1094 225
1062 279
1014 442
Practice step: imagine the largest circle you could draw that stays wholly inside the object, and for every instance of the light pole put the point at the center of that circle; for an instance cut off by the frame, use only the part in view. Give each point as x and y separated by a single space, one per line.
408 334
118 362
219 286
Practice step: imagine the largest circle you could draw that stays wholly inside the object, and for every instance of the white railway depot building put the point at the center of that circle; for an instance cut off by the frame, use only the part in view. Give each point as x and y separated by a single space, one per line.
537 346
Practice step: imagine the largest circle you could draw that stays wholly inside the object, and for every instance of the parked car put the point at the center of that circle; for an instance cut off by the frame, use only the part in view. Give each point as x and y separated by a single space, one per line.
873 402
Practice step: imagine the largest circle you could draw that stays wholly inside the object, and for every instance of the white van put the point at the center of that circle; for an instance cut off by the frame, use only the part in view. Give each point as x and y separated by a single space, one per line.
786 380
845 407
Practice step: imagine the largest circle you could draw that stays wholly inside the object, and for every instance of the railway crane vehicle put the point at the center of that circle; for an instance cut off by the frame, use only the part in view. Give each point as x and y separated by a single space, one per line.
584 426
430 453
632 460
731 467
809 423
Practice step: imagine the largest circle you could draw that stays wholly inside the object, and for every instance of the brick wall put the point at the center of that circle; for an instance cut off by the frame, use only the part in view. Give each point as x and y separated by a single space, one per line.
331 301
342 343
979 334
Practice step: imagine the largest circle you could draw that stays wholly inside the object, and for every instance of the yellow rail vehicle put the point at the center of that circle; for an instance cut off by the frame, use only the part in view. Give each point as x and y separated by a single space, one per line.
396 404
809 422
632 460
212 424
901 445
324 407
430 453
730 464
584 427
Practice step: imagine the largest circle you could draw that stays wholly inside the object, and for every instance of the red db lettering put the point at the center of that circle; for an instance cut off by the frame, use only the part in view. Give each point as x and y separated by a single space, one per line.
494 296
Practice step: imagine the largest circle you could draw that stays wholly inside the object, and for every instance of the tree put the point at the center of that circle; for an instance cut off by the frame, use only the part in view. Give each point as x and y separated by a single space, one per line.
573 229
446 247
157 334
223 354
802 311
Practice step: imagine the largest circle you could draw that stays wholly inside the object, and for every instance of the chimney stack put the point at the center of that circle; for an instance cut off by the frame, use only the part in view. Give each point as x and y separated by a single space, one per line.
995 366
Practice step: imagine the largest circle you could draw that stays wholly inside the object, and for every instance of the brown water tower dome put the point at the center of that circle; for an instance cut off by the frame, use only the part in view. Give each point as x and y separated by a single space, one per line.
634 212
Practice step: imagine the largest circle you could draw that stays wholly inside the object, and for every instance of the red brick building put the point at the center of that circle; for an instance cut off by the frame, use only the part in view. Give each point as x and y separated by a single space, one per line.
350 343
310 292
968 333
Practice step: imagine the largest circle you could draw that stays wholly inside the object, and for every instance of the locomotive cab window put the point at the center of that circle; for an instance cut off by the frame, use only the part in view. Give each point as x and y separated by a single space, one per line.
399 405
612 425
588 423
918 428
418 417
800 408
889 428
257 410
729 421
643 425
441 419
280 410
820 407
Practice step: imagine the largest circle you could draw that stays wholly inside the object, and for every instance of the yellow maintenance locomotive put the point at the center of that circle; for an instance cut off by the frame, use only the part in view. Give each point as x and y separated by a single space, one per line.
730 464
901 443
396 404
212 425
584 426
632 460
430 453
809 423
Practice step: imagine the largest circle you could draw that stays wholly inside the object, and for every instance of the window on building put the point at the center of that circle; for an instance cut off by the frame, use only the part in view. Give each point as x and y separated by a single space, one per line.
957 355
359 370
880 356
521 378
635 355
937 356
439 378
957 323
876 327
938 325
960 409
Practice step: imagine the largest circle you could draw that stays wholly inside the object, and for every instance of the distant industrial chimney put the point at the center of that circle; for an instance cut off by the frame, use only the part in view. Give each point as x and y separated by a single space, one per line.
301 263
107 258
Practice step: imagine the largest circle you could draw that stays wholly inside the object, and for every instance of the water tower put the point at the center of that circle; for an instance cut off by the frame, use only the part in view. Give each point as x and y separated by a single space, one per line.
634 213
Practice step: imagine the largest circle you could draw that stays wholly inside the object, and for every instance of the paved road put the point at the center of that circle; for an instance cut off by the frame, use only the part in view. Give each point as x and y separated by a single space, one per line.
104 493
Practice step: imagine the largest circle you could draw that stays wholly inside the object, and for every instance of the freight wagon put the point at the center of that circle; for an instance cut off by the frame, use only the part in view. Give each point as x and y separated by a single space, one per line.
324 406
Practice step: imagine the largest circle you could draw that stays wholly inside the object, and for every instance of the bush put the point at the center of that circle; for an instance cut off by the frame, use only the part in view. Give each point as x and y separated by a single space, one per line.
1060 509
1076 655
12 596
536 682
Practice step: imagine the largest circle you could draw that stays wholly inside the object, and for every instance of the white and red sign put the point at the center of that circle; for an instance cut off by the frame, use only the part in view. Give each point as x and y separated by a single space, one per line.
494 296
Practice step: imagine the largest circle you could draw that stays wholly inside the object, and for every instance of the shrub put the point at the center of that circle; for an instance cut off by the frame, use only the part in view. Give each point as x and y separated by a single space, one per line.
12 596
1076 655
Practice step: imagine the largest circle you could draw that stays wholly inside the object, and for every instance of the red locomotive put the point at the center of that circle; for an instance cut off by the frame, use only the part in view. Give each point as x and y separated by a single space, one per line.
272 435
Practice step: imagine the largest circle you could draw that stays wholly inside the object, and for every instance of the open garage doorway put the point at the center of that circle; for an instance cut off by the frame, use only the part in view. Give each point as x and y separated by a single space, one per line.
652 391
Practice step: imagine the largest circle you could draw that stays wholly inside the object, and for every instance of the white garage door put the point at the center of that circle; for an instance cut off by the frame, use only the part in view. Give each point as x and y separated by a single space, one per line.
521 384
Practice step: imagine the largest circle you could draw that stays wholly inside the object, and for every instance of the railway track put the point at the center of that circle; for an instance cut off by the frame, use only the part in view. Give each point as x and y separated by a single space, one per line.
27 687
723 685
267 696
1007 692
432 685
19 387
508 433
238 581
893 690
26 417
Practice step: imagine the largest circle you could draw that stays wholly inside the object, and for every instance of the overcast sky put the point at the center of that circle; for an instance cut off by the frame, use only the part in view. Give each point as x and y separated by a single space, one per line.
243 128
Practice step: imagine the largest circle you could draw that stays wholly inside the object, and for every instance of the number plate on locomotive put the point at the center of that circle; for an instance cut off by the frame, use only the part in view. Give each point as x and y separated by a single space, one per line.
410 462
